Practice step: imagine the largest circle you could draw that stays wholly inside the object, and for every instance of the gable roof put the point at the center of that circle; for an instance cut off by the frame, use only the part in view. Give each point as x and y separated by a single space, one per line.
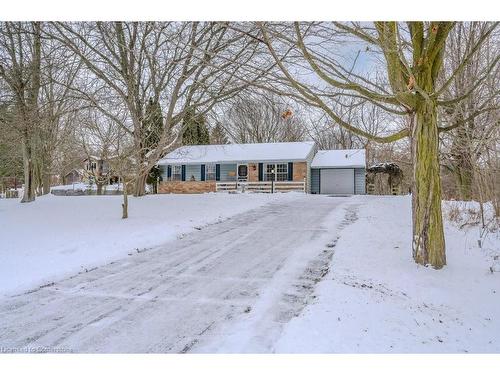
355 158
233 153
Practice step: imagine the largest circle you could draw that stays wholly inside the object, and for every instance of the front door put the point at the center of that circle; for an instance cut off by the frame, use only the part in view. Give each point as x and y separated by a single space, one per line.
243 172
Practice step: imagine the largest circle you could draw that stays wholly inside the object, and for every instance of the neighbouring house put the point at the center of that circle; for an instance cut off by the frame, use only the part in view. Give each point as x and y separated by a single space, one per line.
9 187
97 167
264 167
72 177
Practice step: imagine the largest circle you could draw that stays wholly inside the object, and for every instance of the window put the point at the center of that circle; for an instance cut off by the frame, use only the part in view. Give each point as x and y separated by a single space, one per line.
276 172
91 166
210 172
281 172
268 175
176 173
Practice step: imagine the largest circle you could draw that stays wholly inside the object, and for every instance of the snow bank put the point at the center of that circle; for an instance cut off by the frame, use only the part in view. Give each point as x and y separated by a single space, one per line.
56 236
375 299
85 186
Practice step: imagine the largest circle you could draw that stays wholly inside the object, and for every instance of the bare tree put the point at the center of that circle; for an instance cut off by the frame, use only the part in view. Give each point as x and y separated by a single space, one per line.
99 138
262 118
57 109
122 164
20 69
11 158
370 119
412 54
183 66
472 122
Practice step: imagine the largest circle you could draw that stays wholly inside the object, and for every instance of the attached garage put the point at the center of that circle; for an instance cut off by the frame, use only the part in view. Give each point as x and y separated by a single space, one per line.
336 181
338 172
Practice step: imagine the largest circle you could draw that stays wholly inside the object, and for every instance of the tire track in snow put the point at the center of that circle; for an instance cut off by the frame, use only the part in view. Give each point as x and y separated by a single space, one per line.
175 297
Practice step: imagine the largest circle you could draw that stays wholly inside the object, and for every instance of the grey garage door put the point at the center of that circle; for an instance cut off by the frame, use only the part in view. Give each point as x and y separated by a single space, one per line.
337 181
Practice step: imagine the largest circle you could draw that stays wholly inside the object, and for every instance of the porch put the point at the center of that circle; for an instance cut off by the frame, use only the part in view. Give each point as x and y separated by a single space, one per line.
261 186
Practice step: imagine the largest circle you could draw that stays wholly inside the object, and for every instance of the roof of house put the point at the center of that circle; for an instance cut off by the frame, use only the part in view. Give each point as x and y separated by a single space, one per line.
355 158
77 170
233 153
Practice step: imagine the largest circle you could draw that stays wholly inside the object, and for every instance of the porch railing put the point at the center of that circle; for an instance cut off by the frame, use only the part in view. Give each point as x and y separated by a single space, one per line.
261 186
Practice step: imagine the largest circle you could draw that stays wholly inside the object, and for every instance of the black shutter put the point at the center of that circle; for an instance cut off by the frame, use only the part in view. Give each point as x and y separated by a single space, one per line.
169 172
203 172
183 173
261 172
319 183
217 172
290 171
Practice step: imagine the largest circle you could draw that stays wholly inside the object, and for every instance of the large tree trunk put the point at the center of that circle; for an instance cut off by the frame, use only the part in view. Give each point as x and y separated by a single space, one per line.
37 175
125 201
140 177
428 234
99 186
464 179
464 165
29 172
140 185
30 117
46 183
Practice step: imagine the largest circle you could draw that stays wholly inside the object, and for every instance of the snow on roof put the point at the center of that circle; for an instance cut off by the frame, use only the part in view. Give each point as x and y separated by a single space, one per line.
284 151
339 159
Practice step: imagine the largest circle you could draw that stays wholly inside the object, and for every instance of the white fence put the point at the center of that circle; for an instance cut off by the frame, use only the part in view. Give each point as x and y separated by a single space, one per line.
262 186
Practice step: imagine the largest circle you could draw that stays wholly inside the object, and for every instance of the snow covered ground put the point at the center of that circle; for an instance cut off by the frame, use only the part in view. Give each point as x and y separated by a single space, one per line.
85 186
57 236
289 273
376 300
227 287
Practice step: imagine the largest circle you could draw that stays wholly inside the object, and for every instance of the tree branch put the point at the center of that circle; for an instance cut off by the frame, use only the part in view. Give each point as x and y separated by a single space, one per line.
466 60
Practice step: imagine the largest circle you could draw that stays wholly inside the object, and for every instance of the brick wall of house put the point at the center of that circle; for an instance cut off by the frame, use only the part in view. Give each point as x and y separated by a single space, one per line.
299 171
181 187
253 172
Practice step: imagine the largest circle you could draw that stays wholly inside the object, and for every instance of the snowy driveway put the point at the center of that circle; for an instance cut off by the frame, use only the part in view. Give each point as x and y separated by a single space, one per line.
227 287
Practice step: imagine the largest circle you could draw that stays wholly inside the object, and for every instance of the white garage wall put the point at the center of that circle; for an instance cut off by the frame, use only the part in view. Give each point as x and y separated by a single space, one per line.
359 181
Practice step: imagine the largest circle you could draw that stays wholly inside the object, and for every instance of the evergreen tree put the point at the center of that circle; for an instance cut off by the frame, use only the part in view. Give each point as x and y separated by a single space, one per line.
153 125
153 128
195 129
153 177
218 136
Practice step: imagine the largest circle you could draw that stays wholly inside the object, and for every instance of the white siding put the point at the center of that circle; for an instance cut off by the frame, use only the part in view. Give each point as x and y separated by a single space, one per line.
225 169
309 160
163 172
193 170
359 181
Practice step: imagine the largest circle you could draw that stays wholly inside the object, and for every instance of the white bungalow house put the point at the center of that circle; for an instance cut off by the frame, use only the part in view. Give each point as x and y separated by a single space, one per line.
268 167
